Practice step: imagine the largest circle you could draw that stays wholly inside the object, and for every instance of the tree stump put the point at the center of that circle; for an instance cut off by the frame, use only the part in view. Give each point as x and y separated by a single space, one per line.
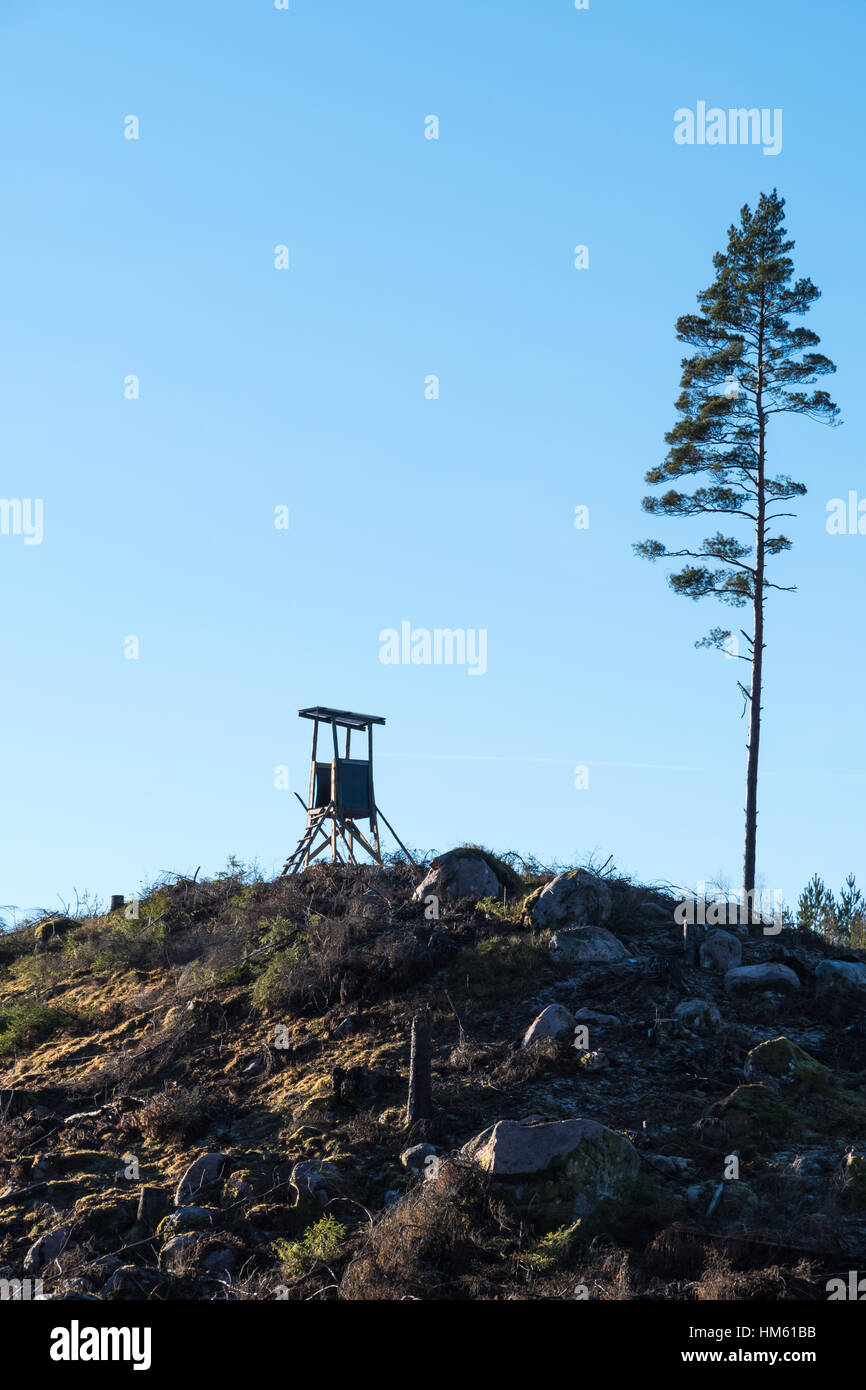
420 1103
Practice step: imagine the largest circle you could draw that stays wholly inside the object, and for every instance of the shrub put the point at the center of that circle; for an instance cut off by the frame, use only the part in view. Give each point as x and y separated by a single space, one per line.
175 1112
318 1244
24 1025
506 966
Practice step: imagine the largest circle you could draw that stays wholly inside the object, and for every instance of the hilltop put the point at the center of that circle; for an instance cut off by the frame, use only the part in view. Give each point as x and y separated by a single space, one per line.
208 1100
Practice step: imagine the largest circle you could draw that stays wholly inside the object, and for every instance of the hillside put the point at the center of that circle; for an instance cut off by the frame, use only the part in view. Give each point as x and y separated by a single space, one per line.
208 1100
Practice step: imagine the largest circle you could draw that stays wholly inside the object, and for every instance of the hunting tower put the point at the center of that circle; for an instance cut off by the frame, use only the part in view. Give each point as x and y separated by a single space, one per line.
341 794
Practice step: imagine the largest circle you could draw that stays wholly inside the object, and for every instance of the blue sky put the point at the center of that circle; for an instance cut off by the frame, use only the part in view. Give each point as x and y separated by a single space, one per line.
305 388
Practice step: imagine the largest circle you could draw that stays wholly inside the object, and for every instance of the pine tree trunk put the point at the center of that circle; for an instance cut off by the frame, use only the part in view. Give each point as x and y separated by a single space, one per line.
749 857
754 743
420 1103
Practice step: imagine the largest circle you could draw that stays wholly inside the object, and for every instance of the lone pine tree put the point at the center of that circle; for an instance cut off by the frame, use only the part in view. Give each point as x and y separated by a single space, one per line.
749 365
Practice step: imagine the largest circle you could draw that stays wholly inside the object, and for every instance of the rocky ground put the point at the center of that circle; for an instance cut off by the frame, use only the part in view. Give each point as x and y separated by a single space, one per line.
207 1100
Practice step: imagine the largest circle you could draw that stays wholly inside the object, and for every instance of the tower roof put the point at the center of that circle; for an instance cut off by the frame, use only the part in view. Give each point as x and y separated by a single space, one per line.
343 718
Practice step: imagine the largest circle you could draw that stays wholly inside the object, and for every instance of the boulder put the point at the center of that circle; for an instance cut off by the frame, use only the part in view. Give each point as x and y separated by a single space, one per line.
658 911
753 1114
671 1165
460 873
744 979
575 899
592 1016
314 1182
416 1158
185 1219
700 1014
203 1172
560 1169
153 1204
130 1283
51 931
721 950
198 1254
178 1253
586 946
593 1061
782 1061
839 974
77 1287
46 1249
103 1216
553 1022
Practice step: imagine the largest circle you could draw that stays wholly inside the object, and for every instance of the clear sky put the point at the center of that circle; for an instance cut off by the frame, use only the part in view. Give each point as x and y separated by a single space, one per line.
304 388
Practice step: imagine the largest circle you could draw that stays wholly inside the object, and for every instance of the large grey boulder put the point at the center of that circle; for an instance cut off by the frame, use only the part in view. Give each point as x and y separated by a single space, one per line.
721 950
840 974
560 1169
586 946
553 1022
745 979
781 1061
203 1172
461 873
574 899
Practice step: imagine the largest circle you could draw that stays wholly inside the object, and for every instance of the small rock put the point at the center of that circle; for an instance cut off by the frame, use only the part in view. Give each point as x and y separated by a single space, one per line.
46 1249
152 1206
721 950
204 1172
310 1178
185 1219
656 910
415 1158
593 1061
700 1014
553 1022
222 1260
600 1020
77 1286
177 1252
670 1165
129 1282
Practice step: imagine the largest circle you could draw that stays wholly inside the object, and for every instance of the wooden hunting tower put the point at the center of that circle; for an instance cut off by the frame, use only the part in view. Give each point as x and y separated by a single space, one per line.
341 794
